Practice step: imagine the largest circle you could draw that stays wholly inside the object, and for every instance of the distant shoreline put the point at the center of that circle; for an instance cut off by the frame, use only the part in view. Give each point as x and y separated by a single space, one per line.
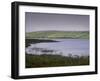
58 35
33 41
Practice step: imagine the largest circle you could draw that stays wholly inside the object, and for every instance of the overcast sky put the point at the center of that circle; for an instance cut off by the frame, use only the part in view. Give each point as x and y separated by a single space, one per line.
63 22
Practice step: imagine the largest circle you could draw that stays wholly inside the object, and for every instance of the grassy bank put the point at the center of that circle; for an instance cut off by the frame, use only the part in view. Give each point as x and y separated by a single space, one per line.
58 34
44 60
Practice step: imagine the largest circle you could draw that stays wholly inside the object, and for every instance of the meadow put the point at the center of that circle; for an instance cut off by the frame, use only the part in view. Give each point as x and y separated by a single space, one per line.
58 35
44 60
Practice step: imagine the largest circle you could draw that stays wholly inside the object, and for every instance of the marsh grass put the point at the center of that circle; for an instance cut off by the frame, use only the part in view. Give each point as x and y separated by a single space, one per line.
45 60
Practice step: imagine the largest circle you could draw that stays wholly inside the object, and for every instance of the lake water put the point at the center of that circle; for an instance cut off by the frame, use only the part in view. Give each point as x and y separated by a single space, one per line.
64 47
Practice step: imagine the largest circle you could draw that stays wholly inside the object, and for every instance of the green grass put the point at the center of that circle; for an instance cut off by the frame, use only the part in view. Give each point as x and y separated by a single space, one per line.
58 34
44 60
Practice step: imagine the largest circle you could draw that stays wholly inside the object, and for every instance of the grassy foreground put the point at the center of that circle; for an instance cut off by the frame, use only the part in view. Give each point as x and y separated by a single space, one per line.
44 60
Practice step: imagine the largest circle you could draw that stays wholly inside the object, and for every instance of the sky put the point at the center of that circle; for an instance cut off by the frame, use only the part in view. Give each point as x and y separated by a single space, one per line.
58 22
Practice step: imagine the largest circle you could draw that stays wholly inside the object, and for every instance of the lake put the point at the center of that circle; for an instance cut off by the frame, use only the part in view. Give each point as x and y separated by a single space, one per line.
63 47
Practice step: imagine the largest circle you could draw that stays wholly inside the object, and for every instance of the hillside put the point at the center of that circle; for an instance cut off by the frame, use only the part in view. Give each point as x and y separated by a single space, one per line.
58 34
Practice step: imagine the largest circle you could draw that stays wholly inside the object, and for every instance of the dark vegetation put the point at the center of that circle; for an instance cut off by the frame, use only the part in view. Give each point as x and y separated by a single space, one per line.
45 60
33 41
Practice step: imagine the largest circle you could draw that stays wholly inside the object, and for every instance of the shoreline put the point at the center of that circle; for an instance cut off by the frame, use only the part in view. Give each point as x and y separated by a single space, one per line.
29 41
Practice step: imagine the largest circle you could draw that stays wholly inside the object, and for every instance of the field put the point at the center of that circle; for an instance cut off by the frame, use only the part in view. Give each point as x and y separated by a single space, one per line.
58 35
44 60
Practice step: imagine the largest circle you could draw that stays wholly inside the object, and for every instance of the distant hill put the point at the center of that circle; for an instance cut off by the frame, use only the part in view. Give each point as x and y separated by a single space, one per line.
58 34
